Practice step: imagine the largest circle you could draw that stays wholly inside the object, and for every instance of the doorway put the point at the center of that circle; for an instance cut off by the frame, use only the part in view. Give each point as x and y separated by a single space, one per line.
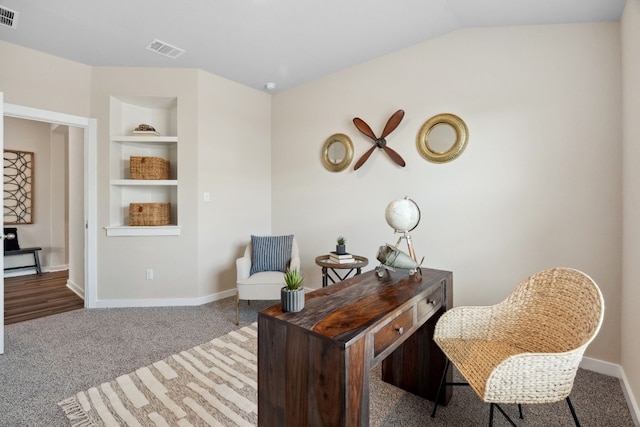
88 222
53 222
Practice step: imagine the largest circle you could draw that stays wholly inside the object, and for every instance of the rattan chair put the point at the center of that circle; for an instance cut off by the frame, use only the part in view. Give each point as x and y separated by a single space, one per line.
527 348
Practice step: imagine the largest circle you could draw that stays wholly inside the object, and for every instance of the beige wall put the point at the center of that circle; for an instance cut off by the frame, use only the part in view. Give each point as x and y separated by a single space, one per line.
58 190
224 131
234 168
223 144
122 261
630 30
76 216
38 80
538 186
28 135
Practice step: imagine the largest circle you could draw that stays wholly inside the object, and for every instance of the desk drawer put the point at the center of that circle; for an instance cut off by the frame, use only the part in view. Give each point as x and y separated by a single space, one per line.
392 331
430 304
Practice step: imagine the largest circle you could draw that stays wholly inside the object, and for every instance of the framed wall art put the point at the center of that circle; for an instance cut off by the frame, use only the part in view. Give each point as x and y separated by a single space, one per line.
18 187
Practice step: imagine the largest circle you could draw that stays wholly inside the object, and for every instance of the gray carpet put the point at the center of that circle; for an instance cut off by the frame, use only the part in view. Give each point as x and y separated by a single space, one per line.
49 359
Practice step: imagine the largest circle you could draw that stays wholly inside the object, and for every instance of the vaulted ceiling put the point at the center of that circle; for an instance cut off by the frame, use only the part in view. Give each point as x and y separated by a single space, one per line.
287 42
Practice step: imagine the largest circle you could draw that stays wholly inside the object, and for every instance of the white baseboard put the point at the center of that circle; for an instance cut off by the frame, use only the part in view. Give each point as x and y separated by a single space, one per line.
164 302
75 288
614 370
601 367
25 272
631 400
30 271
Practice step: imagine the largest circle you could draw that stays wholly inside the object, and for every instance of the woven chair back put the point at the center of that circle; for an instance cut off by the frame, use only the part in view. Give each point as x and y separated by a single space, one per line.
555 310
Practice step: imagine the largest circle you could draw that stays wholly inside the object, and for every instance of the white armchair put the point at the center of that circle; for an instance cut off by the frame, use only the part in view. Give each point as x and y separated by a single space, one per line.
266 284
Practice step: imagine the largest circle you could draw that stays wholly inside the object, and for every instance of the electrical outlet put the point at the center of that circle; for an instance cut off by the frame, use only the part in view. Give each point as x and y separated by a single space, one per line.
149 274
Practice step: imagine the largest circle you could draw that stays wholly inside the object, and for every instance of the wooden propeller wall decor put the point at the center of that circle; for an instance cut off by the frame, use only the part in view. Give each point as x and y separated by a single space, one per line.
381 142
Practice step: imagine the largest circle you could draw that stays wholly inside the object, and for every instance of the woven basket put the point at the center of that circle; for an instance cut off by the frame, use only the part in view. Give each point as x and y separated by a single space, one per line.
149 214
149 167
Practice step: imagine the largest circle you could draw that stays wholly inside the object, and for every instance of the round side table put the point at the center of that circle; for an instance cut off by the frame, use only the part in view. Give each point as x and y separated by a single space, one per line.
329 268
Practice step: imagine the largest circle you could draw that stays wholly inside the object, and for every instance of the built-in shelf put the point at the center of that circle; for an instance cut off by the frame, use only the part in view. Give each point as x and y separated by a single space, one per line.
145 139
142 182
160 230
126 114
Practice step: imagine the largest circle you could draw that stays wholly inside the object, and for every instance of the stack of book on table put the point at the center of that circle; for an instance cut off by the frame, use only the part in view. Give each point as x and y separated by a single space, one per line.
341 259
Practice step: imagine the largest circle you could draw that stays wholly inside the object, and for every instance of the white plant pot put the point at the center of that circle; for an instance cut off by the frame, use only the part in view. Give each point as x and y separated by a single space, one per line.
292 301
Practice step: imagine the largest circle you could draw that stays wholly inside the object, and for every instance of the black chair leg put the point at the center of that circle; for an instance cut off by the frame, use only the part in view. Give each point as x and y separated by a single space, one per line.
573 412
520 411
491 415
502 412
442 381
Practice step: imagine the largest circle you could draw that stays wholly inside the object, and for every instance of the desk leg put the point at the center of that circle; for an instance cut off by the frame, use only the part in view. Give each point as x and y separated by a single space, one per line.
416 366
312 382
338 393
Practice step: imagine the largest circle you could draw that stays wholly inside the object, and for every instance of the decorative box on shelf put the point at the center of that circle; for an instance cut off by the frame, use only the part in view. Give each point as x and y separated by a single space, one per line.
145 214
144 129
149 167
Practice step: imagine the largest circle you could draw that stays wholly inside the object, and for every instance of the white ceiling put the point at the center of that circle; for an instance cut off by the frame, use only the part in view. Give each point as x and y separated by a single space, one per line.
288 42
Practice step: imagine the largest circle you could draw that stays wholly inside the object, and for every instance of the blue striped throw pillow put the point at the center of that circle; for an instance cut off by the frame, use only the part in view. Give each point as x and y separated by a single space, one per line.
270 253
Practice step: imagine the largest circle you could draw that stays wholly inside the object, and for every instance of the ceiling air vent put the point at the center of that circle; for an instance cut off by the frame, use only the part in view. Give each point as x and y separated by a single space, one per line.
164 49
8 17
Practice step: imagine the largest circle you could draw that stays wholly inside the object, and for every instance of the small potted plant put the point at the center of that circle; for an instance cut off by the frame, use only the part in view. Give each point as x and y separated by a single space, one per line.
292 294
341 248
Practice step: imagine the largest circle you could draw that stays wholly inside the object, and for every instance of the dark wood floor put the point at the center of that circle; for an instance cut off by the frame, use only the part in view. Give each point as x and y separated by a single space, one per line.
33 296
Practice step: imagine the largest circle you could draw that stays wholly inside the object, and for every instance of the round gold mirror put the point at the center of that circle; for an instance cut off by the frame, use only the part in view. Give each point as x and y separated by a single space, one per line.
442 138
337 152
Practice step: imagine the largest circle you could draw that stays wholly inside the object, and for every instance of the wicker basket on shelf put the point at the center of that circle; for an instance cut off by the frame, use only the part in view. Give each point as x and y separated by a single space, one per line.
149 167
149 214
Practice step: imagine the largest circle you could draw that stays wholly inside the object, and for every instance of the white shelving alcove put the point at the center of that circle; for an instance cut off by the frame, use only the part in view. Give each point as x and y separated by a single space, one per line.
127 113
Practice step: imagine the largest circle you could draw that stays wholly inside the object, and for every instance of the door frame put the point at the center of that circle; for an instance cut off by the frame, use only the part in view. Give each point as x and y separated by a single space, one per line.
90 193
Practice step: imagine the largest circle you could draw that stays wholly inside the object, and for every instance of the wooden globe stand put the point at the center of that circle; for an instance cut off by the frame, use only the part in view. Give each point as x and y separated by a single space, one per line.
396 258
406 236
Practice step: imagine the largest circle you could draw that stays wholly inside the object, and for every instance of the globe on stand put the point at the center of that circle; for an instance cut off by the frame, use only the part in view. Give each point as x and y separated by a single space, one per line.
403 215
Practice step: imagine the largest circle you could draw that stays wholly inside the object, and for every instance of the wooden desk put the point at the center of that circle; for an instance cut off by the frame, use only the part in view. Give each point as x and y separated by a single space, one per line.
313 366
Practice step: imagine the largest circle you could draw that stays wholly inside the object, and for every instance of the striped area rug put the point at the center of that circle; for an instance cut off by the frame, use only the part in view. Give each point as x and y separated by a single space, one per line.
213 384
